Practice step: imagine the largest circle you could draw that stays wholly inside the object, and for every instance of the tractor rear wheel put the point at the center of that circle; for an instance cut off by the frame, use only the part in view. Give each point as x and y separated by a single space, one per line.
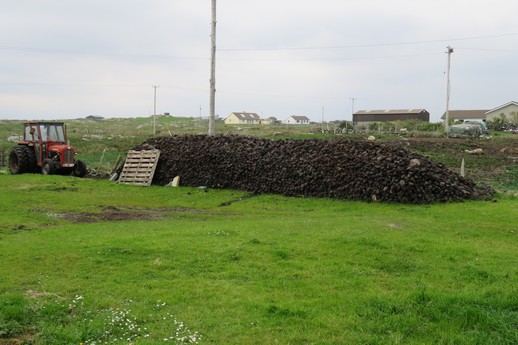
22 160
32 165
48 167
79 169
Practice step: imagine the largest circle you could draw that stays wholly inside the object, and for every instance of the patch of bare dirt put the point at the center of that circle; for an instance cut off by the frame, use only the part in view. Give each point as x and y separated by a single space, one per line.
489 146
496 163
11 341
20 340
40 294
114 214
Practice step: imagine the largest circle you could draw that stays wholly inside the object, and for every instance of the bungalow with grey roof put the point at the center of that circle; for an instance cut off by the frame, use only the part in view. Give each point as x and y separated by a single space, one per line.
297 120
462 115
243 118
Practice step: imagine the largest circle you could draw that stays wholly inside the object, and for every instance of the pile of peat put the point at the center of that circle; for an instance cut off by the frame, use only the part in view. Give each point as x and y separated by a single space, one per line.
343 169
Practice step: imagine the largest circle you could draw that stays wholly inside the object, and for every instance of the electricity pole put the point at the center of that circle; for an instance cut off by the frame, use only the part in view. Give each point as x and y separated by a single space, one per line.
154 109
352 109
323 119
212 117
448 89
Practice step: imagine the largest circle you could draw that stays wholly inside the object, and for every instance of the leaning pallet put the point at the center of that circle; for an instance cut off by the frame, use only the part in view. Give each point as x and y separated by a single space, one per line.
139 167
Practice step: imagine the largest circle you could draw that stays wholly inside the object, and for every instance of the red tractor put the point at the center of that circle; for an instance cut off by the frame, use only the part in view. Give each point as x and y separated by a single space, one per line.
44 148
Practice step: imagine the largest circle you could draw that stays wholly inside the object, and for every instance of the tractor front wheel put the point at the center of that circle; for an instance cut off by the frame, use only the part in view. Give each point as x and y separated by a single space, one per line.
79 169
48 167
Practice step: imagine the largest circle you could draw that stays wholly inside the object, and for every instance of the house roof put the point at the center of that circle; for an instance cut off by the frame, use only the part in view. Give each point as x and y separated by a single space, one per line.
466 114
390 111
502 106
246 116
299 117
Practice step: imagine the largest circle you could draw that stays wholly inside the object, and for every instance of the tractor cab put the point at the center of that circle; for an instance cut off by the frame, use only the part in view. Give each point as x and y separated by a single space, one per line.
48 139
47 131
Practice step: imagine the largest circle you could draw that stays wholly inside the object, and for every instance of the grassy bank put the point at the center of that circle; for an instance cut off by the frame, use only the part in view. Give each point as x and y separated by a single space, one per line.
87 261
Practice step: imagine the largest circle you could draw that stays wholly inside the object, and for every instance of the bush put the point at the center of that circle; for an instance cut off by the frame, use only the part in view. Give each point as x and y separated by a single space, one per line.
501 123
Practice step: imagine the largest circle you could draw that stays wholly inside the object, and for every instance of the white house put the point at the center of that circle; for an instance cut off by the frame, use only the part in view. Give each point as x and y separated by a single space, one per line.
297 120
508 110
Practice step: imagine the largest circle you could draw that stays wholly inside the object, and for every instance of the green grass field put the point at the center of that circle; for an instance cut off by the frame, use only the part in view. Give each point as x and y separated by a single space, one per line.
94 262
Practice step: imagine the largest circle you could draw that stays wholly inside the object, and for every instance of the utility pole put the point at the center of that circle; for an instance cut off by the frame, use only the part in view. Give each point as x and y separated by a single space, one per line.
323 119
154 109
448 89
352 108
212 117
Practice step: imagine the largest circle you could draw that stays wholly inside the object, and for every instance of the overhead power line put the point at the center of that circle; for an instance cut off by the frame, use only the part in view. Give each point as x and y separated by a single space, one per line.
145 56
369 45
490 50
72 84
106 54
362 57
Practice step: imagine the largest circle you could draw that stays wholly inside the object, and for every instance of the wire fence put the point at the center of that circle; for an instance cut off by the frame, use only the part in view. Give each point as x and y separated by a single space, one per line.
2 157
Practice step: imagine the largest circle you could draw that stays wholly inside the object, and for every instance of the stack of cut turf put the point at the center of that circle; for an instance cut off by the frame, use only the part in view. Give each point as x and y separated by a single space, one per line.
353 170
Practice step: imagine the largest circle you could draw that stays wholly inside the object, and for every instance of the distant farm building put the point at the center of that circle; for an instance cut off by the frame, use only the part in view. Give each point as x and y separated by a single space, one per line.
95 118
243 118
297 120
508 110
463 115
368 116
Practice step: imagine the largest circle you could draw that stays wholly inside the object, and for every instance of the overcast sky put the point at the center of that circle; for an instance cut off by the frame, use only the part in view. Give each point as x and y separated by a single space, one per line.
64 59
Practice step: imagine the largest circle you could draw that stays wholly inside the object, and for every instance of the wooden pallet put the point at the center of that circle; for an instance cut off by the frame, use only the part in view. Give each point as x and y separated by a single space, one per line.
139 167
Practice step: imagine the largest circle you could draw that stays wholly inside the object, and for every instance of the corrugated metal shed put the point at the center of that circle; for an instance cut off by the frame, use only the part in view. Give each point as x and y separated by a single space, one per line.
391 115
